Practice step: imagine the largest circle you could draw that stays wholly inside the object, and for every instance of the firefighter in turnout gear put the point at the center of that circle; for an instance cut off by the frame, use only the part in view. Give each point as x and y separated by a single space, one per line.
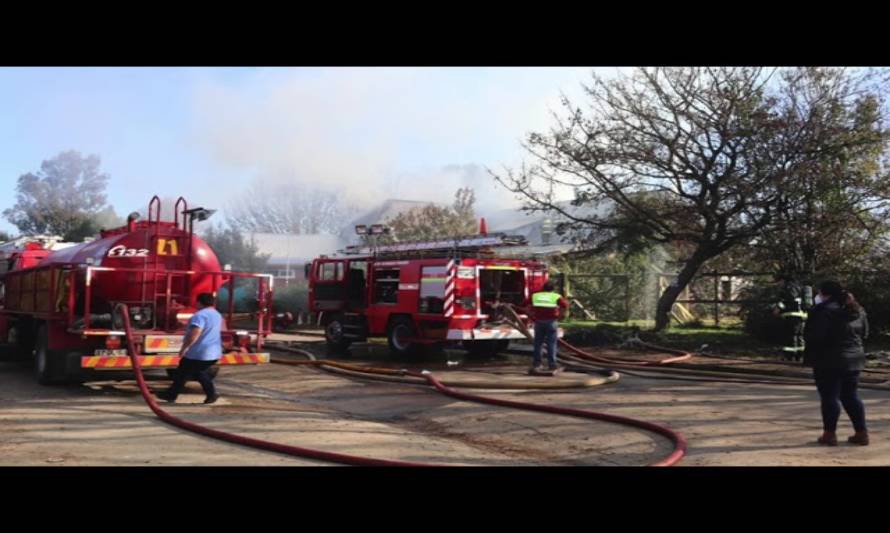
792 308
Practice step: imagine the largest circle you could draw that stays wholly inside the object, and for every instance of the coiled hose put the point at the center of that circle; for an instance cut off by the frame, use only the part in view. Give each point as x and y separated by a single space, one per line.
678 440
585 361
679 355
711 373
401 376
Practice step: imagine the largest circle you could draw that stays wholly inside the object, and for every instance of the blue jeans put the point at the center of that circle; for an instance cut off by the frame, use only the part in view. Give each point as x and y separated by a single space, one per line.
545 331
836 388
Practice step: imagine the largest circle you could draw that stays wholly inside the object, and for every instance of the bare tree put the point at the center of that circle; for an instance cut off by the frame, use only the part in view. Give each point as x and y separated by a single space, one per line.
287 208
691 156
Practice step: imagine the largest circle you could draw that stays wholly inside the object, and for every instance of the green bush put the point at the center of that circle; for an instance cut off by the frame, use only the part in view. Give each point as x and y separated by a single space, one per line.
599 335
245 298
293 298
872 290
759 319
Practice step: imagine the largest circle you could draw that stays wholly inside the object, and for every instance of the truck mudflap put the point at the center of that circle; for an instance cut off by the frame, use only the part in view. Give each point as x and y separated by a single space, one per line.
102 362
494 333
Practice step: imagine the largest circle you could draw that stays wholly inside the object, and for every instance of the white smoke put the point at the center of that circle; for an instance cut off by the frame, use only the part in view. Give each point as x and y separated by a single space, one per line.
377 133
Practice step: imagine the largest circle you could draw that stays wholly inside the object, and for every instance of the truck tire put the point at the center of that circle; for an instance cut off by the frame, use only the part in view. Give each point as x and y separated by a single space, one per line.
485 349
333 334
399 329
21 342
9 348
49 366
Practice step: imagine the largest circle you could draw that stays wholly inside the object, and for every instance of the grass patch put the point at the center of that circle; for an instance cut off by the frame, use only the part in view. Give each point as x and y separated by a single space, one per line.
722 340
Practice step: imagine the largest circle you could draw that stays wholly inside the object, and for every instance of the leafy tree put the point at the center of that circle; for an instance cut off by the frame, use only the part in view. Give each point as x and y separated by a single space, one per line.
4 236
698 157
90 227
66 197
435 221
630 292
231 248
834 211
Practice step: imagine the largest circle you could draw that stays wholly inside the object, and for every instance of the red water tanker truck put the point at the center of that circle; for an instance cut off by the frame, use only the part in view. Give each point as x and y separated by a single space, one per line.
61 307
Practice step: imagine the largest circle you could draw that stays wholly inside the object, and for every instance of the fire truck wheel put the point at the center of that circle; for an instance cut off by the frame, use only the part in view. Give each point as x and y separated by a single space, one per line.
333 333
22 339
400 329
47 362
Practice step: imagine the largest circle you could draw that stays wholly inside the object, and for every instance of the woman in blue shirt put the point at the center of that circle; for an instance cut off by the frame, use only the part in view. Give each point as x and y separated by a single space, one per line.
201 349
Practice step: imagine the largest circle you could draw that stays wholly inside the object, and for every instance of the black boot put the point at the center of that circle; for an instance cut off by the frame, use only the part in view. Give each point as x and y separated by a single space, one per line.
166 396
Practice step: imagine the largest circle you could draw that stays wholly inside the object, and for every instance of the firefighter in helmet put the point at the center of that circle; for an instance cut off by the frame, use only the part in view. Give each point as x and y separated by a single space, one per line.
792 306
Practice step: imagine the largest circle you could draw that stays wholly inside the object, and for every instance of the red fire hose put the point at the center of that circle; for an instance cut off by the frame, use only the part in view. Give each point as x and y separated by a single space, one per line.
296 451
678 440
681 356
513 317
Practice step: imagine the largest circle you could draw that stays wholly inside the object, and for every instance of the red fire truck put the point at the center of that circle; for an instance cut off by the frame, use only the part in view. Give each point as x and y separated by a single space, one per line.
423 293
61 306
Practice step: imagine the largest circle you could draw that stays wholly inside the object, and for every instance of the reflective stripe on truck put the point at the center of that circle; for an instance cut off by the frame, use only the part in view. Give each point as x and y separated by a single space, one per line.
100 362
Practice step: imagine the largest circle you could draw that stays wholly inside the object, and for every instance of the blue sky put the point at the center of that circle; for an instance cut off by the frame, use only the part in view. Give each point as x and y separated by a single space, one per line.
205 133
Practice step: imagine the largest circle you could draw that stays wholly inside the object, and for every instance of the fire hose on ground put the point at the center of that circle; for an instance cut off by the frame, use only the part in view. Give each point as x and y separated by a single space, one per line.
402 376
586 362
678 440
708 373
517 322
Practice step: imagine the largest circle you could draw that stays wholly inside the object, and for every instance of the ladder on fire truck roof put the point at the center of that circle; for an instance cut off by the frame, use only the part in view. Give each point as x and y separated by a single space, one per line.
475 243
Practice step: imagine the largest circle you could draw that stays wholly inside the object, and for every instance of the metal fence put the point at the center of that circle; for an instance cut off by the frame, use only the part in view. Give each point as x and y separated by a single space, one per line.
610 297
714 294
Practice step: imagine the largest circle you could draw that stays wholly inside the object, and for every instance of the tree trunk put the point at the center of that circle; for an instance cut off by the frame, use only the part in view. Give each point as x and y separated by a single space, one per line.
669 296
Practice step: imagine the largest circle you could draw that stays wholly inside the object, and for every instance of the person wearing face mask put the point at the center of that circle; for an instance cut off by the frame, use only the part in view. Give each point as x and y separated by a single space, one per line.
834 334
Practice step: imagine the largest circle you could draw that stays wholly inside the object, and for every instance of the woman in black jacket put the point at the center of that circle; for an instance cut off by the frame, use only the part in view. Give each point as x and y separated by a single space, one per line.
833 335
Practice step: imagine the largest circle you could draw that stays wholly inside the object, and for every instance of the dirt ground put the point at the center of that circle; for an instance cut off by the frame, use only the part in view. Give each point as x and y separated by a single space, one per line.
107 423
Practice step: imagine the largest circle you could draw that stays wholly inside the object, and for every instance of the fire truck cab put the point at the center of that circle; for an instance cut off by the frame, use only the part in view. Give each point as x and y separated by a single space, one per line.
423 293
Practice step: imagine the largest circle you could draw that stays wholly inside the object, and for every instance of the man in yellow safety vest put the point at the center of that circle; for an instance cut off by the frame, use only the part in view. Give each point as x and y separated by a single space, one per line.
546 310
